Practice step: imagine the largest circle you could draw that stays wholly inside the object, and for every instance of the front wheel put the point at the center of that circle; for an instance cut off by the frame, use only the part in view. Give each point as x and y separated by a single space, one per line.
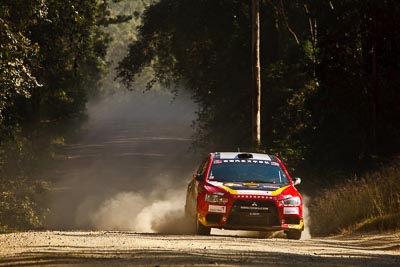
201 229
296 235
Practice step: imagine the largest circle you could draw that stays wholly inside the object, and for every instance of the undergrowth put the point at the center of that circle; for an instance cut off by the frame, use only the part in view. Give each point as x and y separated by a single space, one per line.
366 203
22 204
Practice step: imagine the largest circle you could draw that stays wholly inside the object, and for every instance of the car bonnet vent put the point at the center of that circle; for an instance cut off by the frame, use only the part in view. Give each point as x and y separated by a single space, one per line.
245 156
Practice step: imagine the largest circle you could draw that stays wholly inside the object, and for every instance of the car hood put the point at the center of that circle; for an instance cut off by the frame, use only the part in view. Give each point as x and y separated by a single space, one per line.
239 188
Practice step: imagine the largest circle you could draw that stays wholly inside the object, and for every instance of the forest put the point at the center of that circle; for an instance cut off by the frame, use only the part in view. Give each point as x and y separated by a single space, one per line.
330 73
52 59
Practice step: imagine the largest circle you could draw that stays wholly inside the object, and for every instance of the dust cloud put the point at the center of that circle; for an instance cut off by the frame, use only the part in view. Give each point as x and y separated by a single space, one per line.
306 215
157 211
130 167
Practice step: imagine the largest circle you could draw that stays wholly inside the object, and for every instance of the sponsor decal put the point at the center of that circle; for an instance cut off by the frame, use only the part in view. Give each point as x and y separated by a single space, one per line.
245 161
215 208
254 192
270 188
233 185
250 192
253 197
291 210
251 184
252 208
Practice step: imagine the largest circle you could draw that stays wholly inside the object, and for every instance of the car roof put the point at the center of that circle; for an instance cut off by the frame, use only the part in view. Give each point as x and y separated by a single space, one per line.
243 155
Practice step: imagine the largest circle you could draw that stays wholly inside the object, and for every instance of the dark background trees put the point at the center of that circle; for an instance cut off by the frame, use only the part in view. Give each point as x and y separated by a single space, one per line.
354 111
329 74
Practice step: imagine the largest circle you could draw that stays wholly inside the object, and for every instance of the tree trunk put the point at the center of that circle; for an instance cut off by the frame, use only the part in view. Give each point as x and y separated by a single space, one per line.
256 80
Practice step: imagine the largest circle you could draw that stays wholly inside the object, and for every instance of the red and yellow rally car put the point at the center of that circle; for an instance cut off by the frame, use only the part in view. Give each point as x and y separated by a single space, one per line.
244 191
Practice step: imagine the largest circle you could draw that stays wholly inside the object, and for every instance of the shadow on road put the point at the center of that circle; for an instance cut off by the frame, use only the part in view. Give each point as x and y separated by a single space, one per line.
204 257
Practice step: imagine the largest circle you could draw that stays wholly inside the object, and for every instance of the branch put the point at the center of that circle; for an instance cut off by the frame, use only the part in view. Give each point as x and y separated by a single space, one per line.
286 21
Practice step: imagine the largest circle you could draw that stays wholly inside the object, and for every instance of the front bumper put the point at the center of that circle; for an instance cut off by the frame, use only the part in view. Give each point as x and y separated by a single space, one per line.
249 214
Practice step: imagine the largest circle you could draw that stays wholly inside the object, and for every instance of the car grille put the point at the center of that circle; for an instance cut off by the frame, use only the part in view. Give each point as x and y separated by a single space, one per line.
254 214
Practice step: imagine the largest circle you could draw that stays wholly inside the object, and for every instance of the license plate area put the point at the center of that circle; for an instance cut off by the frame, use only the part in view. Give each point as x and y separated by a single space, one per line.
254 213
254 209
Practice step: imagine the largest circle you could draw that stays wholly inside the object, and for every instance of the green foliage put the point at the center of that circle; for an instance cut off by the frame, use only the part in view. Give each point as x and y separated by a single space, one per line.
16 78
121 35
22 203
72 48
357 203
52 56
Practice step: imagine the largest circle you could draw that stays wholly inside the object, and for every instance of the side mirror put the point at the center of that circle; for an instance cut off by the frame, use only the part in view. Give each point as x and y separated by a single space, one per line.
296 181
198 177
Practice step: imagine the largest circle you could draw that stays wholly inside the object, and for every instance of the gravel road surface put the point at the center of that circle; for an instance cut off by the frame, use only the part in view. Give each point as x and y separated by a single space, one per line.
117 248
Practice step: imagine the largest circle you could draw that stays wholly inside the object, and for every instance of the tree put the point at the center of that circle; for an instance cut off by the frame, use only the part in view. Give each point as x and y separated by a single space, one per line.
51 56
16 54
355 39
256 85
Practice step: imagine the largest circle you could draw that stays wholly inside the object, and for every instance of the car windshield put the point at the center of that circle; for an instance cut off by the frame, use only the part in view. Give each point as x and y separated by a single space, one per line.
257 171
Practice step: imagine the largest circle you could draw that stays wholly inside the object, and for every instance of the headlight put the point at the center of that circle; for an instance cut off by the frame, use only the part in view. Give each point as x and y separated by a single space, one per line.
292 201
214 198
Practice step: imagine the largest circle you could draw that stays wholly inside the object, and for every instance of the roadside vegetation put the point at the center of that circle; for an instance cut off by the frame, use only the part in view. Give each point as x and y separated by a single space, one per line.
52 59
367 203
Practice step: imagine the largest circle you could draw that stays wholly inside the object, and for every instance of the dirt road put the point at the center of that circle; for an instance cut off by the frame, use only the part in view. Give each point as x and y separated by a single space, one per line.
117 248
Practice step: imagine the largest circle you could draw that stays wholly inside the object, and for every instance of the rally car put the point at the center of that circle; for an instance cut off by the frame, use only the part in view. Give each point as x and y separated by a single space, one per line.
244 191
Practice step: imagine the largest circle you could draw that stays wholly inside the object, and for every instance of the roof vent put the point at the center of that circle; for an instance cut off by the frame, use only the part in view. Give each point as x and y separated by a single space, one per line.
245 156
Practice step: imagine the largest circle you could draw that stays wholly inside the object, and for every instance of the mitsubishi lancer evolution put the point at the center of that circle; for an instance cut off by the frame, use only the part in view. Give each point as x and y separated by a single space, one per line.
244 191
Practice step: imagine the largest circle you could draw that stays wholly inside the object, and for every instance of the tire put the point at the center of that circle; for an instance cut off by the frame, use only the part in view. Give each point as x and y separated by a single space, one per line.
296 235
201 229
